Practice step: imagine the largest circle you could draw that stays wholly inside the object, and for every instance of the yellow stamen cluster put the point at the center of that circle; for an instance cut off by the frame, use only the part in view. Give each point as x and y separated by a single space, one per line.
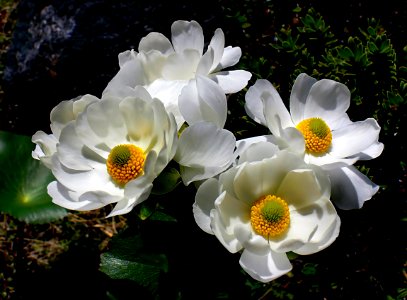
317 135
125 162
270 216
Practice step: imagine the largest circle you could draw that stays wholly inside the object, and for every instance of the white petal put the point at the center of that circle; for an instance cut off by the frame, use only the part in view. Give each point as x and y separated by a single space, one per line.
265 268
205 62
371 152
61 115
187 35
141 93
126 56
254 106
231 56
168 93
326 160
70 200
232 212
324 215
243 144
226 180
205 148
229 241
169 142
205 144
80 104
189 103
126 205
205 198
155 41
47 142
45 147
152 130
258 151
140 187
301 187
100 196
181 66
328 100
354 138
139 120
198 173
330 236
250 240
298 97
72 153
231 81
81 182
276 114
273 115
203 100
152 63
89 138
309 224
105 123
217 44
257 179
130 75
292 140
351 188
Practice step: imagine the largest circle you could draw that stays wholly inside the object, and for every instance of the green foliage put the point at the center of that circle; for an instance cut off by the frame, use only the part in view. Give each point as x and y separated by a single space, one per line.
309 269
167 181
365 62
154 211
129 259
23 188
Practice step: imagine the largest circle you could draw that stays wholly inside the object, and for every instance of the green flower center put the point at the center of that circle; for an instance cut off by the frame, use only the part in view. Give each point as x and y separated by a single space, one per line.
319 127
317 135
272 211
125 162
270 216
120 155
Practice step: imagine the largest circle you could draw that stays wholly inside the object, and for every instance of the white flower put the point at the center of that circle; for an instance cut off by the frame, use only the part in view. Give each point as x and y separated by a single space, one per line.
111 152
318 127
61 115
204 150
165 68
266 208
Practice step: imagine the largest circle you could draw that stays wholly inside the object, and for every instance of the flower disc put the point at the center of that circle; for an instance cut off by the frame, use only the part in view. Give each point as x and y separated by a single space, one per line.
317 135
270 216
125 162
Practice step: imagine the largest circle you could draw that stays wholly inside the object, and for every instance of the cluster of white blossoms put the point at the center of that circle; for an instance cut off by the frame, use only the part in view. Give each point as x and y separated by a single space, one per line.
263 196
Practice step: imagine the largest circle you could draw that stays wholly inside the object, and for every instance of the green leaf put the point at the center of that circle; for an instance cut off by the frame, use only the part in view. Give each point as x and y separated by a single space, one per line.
372 47
371 31
129 259
167 181
292 255
145 210
345 52
309 269
161 216
153 211
23 188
